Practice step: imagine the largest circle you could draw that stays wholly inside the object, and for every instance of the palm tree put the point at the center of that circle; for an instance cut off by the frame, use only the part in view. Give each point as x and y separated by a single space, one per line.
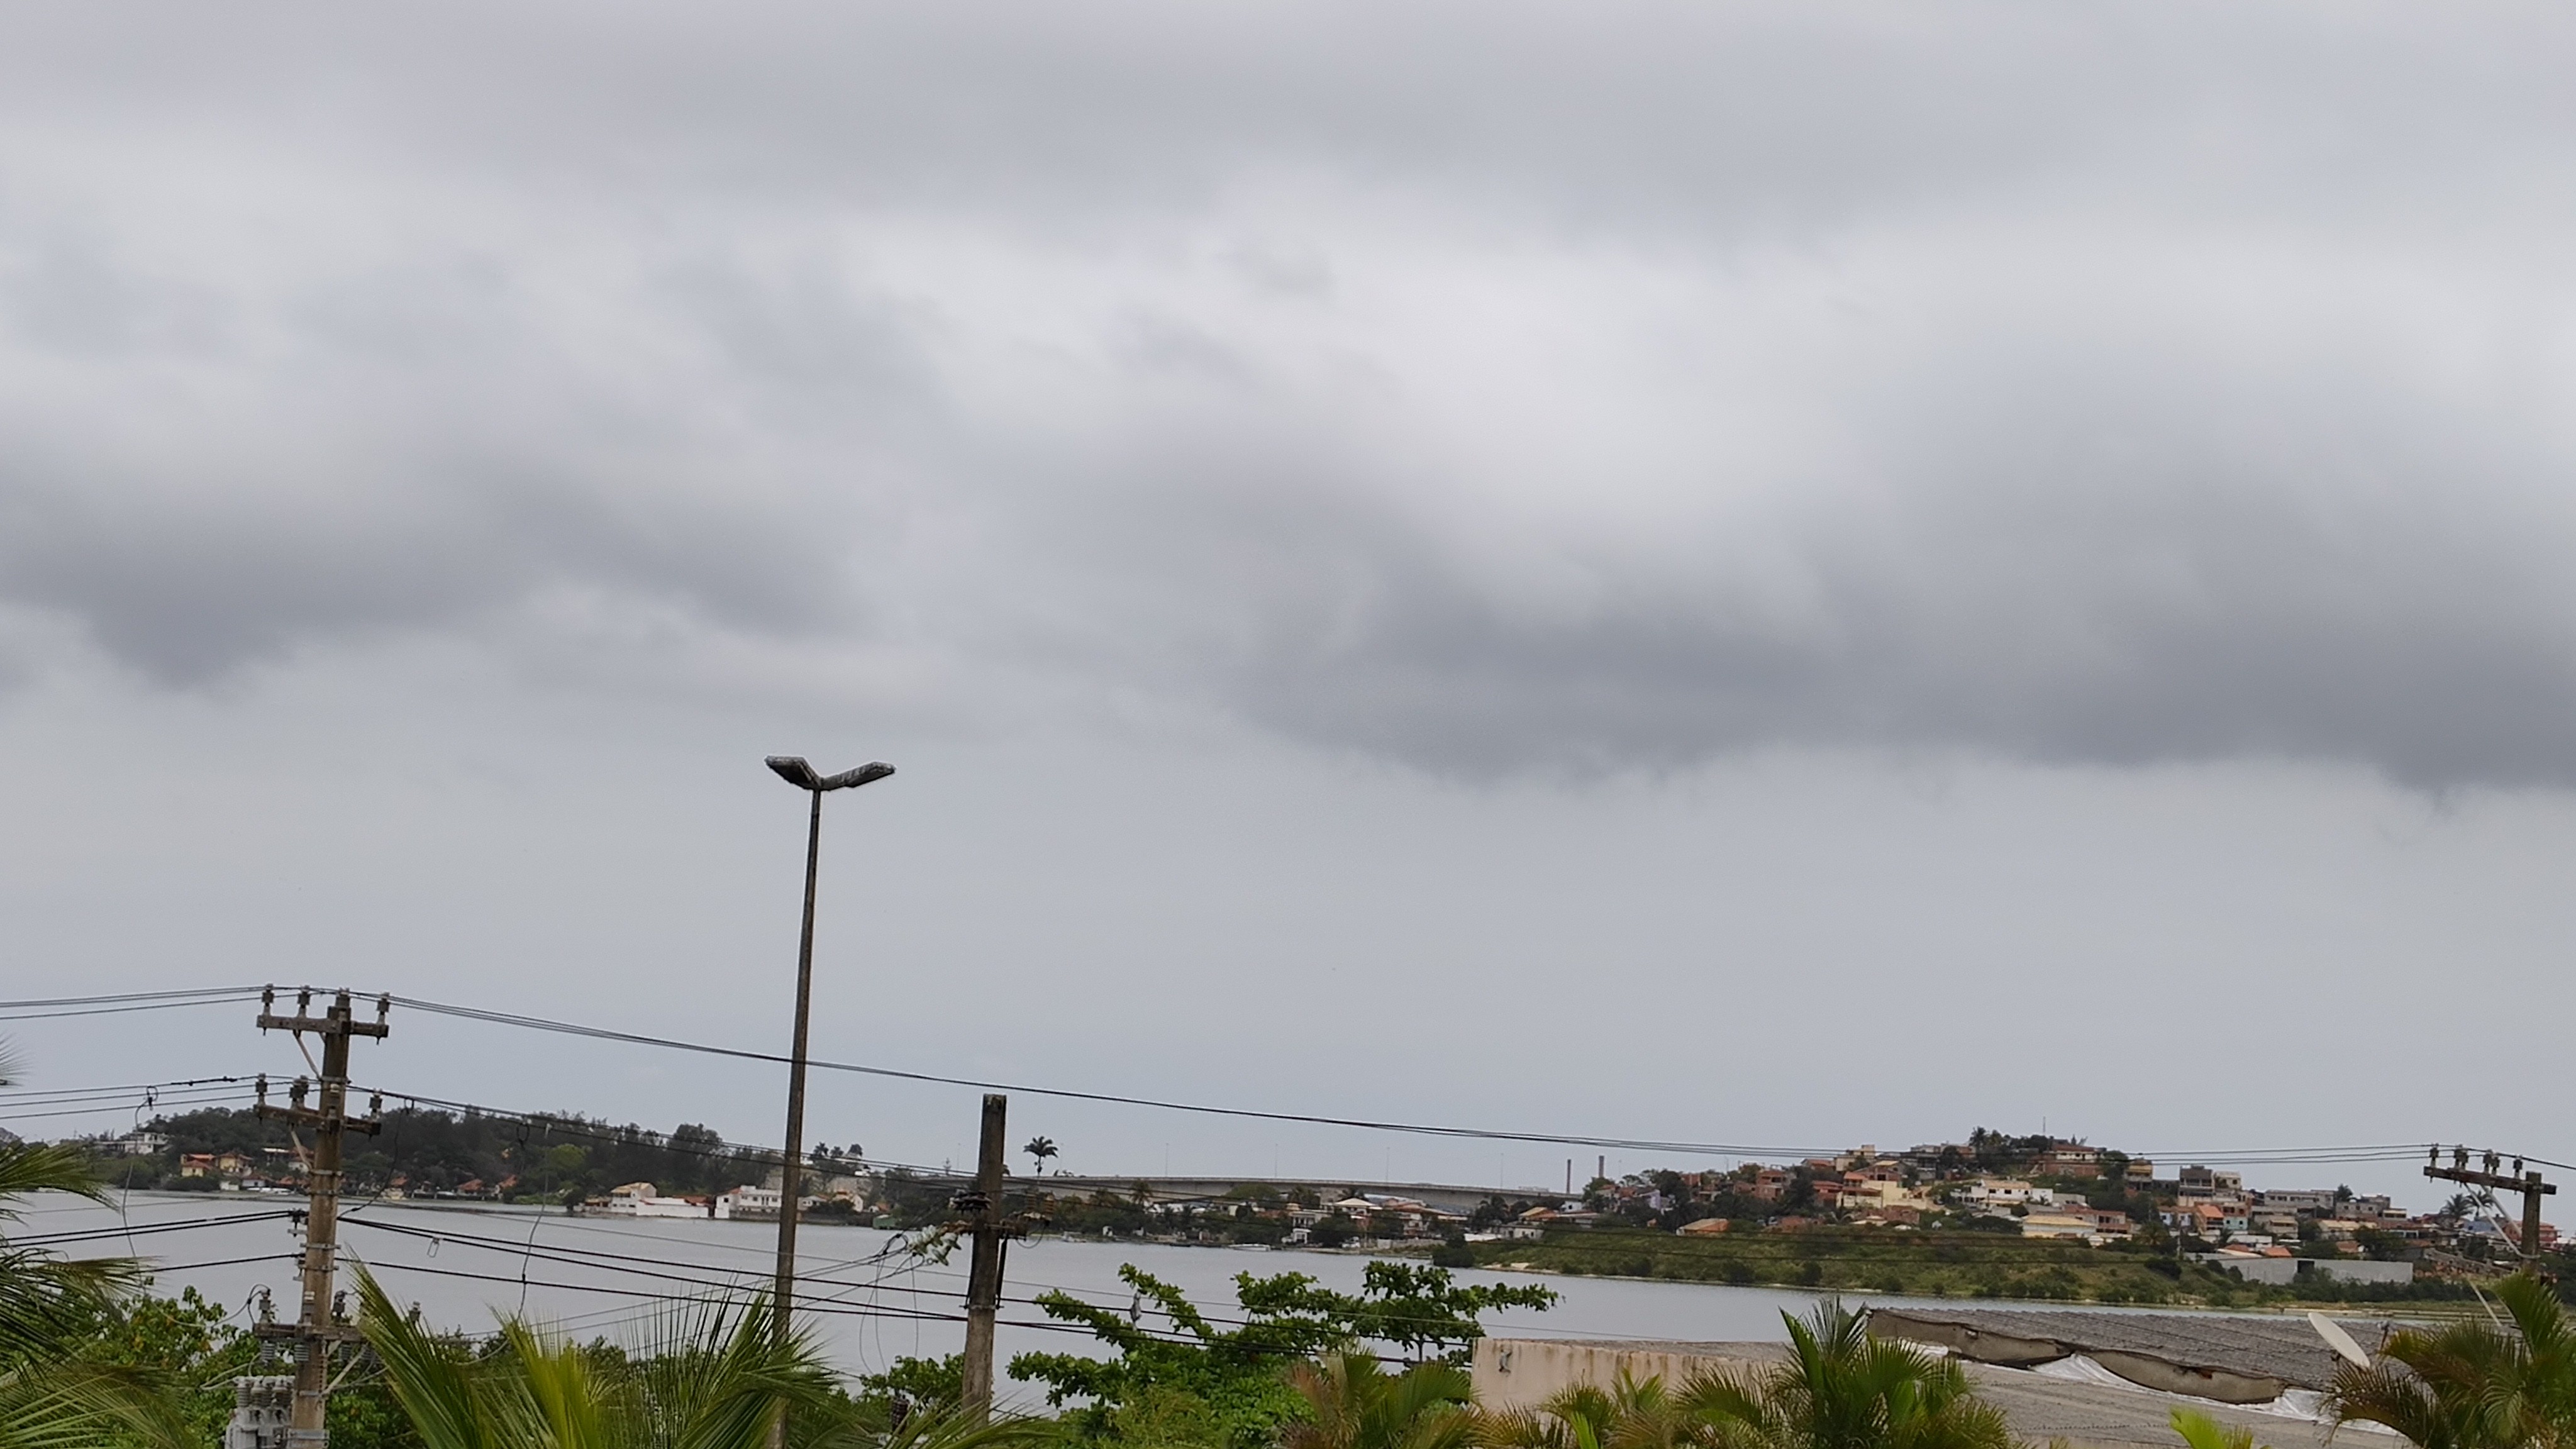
1357 1404
2199 1431
2474 1385
716 1378
1839 1389
1842 1389
712 1375
1040 1148
1631 1414
50 1308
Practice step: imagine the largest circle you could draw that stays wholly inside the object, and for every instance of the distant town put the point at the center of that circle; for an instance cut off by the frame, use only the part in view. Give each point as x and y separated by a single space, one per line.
1863 1203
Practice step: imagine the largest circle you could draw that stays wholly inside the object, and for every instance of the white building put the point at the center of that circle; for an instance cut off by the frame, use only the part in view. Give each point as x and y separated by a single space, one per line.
642 1200
749 1202
2008 1192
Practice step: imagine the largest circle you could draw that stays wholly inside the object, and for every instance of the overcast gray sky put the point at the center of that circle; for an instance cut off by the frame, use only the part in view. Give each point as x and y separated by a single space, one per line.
1778 574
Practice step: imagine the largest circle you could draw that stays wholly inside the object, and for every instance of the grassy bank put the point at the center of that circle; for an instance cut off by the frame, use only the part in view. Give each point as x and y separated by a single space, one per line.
1932 1265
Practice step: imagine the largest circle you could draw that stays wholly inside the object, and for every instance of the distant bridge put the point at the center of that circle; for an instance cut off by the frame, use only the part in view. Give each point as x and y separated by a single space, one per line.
1450 1197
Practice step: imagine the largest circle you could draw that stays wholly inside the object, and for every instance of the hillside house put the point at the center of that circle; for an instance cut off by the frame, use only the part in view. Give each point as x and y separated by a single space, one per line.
2007 1192
2069 1159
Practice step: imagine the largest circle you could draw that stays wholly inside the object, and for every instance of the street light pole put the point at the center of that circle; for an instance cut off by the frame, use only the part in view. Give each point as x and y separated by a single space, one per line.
788 1186
796 772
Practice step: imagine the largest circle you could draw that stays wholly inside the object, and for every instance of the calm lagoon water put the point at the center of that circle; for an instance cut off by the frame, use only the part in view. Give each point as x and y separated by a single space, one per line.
599 1276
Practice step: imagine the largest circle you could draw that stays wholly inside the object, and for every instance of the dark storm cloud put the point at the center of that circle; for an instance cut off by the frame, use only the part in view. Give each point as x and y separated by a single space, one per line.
1482 387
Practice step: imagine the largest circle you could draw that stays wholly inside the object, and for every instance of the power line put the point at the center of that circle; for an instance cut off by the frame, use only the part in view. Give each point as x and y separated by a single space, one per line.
118 997
601 1130
102 1108
40 1008
1629 1144
49 1008
76 1235
117 1089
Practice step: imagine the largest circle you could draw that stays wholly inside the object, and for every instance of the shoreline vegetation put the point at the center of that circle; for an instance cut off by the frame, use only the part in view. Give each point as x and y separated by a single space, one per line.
1967 1266
1956 1221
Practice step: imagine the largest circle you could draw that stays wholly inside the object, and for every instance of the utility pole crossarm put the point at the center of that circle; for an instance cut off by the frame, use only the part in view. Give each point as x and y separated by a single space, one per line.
2528 1183
2497 1180
324 1026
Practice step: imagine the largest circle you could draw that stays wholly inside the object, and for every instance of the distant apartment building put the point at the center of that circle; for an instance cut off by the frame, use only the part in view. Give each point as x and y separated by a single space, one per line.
2276 1222
2007 1192
2069 1159
2093 1226
2196 1219
643 1200
2198 1181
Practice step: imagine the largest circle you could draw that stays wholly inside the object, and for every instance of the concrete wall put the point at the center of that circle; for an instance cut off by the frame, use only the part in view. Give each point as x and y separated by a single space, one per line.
2341 1270
1522 1373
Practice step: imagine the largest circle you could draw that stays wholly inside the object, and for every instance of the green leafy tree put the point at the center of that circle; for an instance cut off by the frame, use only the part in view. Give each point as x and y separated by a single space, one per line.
1041 1148
1233 1381
2473 1385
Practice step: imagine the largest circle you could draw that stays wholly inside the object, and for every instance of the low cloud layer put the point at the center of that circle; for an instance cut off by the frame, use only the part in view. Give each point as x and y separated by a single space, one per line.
1487 390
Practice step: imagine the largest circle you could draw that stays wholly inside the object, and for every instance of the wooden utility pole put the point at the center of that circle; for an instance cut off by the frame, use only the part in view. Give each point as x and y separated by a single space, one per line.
983 1209
317 1328
2526 1183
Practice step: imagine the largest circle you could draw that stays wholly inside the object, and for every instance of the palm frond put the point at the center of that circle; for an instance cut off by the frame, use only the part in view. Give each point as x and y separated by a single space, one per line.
32 1167
431 1377
78 1406
2203 1432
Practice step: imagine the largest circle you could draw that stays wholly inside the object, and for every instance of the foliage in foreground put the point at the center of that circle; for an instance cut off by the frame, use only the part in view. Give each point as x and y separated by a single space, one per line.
716 1379
1838 1389
1197 1383
2199 1431
2473 1384
1352 1402
54 1391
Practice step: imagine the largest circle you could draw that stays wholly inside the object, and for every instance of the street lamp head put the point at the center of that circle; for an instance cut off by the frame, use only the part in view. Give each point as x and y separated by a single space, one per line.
794 770
875 770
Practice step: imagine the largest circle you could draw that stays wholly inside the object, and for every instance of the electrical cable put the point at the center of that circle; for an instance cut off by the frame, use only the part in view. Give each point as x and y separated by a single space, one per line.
48 1094
116 997
46 1007
75 1235
535 1023
107 1107
120 1003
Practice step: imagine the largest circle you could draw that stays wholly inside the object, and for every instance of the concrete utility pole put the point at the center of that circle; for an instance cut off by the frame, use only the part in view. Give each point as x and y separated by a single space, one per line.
983 1208
2526 1183
317 1328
